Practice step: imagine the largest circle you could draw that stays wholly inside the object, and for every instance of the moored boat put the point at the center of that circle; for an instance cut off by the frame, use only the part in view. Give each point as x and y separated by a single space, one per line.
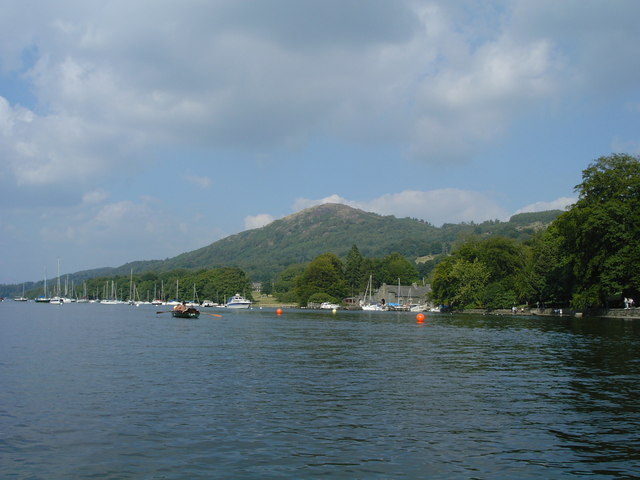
238 301
329 306
22 298
368 298
44 298
372 307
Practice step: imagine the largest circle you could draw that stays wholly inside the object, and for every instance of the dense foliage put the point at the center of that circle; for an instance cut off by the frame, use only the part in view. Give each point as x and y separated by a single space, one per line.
324 275
481 273
588 257
328 277
600 235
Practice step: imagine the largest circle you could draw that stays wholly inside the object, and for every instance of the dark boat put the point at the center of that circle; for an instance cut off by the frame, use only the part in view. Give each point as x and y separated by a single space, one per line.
188 313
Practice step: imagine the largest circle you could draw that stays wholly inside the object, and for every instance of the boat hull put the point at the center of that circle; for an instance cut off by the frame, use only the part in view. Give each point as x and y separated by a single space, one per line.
238 305
195 314
372 308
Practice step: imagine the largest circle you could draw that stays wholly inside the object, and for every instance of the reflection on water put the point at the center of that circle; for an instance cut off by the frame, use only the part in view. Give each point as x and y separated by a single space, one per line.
119 392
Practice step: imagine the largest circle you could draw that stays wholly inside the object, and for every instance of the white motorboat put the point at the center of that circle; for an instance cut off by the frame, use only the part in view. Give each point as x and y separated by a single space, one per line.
329 306
238 301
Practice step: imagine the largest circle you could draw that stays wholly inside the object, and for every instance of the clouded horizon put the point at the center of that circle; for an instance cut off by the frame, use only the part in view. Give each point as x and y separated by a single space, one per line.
142 130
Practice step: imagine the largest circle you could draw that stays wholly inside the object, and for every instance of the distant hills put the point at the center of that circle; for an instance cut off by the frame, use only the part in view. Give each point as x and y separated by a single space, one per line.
302 236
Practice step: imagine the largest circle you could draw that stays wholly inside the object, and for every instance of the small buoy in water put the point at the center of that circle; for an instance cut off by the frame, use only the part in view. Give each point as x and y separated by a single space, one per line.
420 318
279 311
334 311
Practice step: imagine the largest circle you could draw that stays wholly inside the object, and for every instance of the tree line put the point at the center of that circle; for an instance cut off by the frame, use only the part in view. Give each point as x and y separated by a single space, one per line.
327 278
216 284
589 257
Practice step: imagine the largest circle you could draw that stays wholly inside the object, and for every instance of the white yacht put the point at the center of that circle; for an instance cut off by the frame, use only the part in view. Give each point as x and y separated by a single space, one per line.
238 301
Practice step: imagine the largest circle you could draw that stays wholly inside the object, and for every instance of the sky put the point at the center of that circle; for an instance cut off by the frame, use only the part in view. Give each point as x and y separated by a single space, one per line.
142 130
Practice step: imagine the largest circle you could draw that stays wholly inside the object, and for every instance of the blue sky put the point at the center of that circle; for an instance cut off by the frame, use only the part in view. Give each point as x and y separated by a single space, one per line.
141 130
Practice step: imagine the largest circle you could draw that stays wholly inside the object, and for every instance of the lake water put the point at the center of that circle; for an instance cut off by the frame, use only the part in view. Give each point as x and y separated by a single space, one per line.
118 392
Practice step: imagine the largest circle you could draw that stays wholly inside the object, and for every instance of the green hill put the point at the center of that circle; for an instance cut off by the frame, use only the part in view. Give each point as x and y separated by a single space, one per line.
300 237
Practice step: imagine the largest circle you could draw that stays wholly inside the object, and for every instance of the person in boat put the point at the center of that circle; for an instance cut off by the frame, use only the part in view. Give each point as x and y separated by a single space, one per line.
181 307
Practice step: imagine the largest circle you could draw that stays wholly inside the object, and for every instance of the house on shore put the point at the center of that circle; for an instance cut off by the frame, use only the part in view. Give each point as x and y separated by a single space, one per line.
402 295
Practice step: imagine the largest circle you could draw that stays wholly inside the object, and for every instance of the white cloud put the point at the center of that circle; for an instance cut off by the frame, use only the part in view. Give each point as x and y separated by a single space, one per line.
440 206
631 147
558 204
302 203
95 196
202 182
442 79
435 206
257 221
95 233
57 149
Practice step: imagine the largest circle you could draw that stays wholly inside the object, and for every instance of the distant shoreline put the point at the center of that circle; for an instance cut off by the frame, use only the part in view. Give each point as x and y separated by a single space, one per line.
630 314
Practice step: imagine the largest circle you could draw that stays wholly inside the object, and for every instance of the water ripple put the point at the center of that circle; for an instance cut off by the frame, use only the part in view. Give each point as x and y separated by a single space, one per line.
119 393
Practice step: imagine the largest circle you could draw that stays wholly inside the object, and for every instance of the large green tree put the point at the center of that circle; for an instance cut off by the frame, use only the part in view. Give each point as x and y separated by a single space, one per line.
481 272
600 235
325 274
353 269
396 266
459 282
284 286
546 279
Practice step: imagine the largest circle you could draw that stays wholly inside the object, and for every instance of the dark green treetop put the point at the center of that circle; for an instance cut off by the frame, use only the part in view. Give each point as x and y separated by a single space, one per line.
600 235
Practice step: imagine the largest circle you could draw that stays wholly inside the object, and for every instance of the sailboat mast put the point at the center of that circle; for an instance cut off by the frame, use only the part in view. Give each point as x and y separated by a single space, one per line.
58 283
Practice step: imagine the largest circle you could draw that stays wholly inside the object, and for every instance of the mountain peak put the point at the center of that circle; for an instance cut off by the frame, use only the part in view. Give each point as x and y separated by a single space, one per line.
324 209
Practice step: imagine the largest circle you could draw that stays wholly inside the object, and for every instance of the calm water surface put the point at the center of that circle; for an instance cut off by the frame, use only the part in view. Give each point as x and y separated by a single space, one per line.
118 392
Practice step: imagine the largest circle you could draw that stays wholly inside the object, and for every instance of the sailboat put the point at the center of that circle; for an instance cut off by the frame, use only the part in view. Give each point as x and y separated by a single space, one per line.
44 298
22 298
84 298
369 306
57 299
176 300
113 297
195 302
158 301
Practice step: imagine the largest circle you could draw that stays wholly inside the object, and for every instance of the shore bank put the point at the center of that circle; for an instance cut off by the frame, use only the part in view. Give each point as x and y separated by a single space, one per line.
628 313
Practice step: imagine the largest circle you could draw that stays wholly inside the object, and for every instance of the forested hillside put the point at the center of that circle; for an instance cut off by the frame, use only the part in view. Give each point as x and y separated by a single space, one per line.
335 228
298 238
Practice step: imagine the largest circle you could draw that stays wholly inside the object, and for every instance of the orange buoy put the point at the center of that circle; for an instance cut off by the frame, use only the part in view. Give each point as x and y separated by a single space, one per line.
420 318
279 311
